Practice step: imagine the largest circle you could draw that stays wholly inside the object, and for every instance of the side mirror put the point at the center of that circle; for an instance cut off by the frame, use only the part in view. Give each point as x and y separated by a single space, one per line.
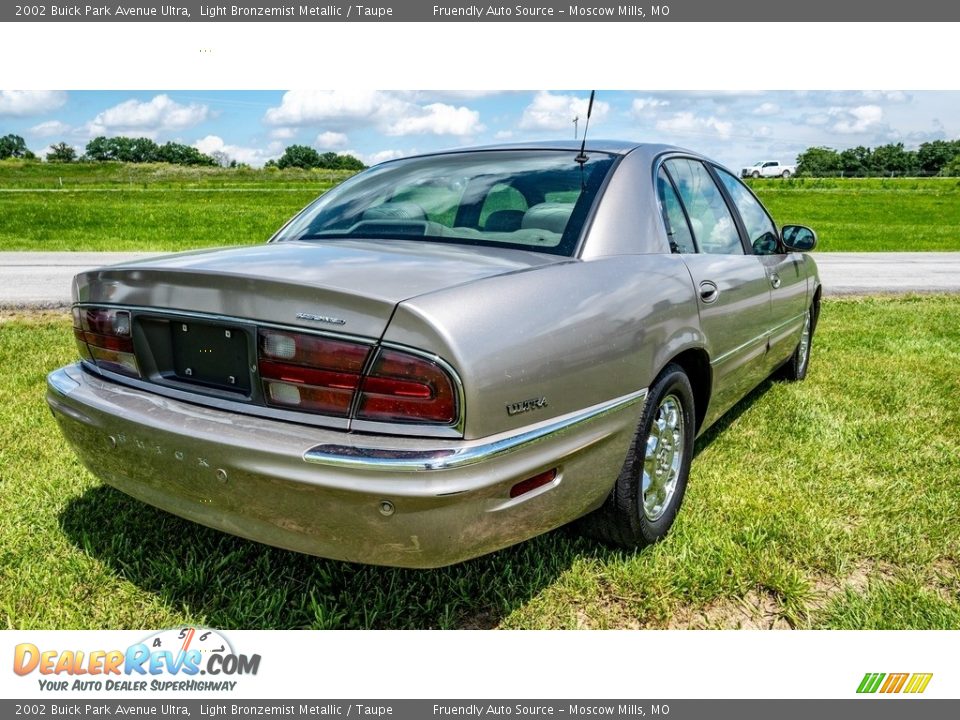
798 238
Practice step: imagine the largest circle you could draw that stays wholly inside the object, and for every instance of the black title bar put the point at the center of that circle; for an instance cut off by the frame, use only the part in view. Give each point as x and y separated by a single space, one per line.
526 11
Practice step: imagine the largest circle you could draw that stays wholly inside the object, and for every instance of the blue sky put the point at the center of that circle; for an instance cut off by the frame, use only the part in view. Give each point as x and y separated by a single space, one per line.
737 128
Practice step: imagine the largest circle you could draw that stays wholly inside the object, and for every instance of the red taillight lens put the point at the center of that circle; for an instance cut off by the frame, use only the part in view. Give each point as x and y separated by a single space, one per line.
402 387
105 337
309 372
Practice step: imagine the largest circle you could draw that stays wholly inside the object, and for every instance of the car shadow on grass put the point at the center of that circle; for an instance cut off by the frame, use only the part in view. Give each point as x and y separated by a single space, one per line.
227 582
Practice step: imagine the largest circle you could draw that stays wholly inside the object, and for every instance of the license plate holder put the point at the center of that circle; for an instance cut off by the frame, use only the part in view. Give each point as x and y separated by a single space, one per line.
210 354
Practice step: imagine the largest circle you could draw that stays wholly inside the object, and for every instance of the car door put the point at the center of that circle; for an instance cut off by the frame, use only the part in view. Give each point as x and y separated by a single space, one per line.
732 286
785 271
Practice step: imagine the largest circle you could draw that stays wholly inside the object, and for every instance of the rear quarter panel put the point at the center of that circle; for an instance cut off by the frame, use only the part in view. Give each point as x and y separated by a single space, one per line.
576 334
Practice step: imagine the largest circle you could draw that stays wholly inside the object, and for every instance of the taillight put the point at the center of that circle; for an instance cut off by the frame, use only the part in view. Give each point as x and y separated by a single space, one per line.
402 387
104 337
323 375
309 372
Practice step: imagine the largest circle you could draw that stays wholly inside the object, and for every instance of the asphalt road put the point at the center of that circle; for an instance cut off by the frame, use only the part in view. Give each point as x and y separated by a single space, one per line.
42 279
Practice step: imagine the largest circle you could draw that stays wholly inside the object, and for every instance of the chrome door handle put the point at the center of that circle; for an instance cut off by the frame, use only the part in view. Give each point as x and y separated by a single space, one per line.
775 281
709 292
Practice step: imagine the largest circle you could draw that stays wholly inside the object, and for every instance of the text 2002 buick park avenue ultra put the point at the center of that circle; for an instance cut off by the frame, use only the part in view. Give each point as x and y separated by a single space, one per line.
444 355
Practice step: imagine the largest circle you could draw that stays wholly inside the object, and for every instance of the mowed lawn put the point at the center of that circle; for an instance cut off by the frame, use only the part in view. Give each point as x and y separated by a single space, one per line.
831 503
869 214
114 206
148 207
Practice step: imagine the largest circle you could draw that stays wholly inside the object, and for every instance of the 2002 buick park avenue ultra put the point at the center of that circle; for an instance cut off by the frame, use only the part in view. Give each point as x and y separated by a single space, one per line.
444 355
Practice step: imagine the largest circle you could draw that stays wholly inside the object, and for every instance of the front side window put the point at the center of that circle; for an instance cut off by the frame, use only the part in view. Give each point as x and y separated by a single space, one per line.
530 200
761 231
710 218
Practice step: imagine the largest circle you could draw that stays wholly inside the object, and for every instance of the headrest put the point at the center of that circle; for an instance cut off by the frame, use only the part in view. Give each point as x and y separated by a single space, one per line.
548 216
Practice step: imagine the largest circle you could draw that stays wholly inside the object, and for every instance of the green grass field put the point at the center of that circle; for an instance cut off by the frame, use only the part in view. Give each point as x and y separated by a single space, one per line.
831 503
160 207
115 206
869 214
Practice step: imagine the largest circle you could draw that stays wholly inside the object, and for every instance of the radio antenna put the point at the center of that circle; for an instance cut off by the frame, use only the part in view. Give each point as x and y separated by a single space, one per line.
582 157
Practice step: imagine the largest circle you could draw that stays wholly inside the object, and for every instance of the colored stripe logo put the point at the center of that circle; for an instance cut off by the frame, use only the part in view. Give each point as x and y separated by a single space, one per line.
894 683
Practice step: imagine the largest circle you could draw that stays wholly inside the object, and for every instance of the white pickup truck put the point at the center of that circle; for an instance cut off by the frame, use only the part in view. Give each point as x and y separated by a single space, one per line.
768 168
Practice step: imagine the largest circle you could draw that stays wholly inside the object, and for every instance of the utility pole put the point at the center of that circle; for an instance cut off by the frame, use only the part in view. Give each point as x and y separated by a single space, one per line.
575 121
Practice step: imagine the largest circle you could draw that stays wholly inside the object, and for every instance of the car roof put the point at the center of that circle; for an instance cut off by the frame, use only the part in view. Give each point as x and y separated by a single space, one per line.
614 147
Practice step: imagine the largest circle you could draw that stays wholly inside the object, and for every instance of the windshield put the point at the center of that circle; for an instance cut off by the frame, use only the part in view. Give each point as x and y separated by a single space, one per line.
530 200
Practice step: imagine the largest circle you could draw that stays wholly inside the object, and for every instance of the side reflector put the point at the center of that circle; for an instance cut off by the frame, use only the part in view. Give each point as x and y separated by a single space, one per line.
530 484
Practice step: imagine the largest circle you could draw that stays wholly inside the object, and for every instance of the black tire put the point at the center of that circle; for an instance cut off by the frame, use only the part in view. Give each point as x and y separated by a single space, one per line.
622 519
755 174
795 369
786 175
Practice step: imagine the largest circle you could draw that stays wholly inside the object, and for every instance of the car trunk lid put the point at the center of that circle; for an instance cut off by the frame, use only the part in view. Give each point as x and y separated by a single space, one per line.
348 286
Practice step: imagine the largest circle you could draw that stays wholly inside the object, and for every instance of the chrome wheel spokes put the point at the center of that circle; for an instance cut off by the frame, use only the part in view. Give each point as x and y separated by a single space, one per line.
664 456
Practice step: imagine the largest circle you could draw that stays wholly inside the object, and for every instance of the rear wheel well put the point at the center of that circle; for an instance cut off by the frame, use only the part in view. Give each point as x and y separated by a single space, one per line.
696 364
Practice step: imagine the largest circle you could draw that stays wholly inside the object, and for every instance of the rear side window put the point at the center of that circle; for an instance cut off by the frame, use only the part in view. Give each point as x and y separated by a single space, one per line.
710 219
678 230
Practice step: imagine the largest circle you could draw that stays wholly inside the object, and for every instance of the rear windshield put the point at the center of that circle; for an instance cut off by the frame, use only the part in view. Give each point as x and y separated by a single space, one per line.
530 200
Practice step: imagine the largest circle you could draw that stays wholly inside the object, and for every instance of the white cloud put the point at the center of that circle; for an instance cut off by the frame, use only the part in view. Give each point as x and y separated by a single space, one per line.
645 105
251 156
283 133
161 114
333 107
767 108
50 128
383 156
393 113
503 134
856 120
687 123
329 140
891 96
550 111
23 103
438 119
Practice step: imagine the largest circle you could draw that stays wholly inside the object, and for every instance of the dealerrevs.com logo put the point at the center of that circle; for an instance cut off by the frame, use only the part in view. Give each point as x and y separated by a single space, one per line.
168 660
910 683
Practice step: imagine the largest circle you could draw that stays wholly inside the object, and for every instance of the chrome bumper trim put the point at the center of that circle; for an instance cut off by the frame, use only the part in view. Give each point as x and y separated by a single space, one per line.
369 458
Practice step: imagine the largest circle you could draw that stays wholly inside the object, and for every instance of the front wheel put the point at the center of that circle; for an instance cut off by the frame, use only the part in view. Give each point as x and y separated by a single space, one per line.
644 501
755 174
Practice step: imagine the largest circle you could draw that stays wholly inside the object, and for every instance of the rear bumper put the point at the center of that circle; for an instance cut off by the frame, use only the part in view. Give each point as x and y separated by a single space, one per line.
382 500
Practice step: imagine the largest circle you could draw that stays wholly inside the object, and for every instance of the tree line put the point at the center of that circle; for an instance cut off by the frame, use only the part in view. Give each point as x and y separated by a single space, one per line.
938 157
145 150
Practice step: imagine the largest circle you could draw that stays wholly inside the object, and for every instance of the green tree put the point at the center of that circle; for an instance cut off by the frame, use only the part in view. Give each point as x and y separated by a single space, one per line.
301 156
61 153
952 168
855 161
180 154
13 146
99 150
818 161
894 158
934 156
